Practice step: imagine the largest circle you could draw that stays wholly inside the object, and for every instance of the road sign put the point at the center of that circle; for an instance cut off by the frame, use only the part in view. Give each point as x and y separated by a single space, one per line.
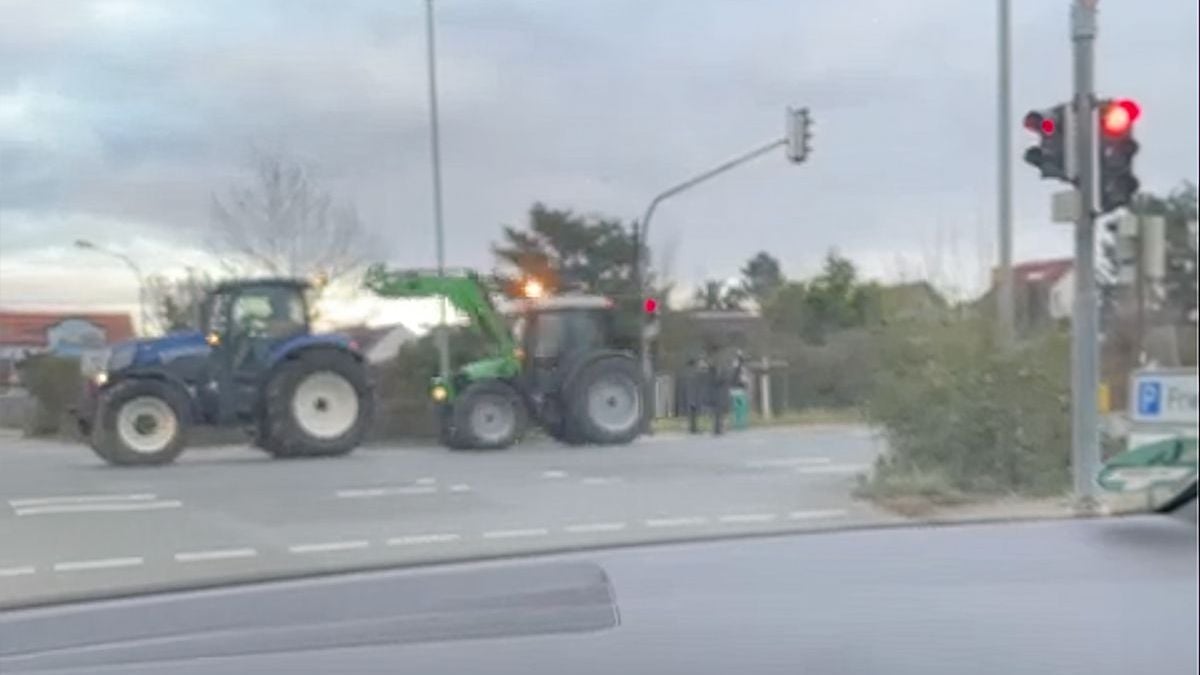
1166 396
1167 462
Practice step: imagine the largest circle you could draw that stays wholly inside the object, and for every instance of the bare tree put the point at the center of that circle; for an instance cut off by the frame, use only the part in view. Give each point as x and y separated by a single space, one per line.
285 223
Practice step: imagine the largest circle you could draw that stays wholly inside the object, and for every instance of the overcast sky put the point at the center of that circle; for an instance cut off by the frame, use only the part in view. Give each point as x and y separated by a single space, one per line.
118 119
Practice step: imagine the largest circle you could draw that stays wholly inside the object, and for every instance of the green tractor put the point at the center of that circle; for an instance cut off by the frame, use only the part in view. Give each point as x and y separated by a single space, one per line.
554 362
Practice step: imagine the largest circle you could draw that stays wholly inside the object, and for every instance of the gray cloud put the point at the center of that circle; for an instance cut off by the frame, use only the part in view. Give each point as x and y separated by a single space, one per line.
132 118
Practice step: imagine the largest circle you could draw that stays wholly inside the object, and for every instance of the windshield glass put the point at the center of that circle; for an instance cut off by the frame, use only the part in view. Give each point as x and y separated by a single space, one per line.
803 265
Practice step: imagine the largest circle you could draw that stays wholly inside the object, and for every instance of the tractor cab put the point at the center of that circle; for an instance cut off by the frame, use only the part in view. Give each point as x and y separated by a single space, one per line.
550 330
246 323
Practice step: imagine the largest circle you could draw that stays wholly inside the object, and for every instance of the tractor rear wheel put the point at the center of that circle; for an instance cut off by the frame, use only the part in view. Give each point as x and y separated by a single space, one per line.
317 405
488 415
605 403
141 422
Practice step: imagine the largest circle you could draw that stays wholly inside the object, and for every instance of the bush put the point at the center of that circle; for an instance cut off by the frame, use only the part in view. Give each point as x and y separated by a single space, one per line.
837 374
55 383
969 416
403 406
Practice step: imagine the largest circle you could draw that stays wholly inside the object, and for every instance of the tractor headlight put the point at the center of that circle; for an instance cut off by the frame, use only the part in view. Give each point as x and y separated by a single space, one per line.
100 379
439 393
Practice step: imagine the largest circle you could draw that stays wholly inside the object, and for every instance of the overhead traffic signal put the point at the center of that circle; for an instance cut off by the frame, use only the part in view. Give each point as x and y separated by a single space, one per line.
1051 155
799 134
1117 183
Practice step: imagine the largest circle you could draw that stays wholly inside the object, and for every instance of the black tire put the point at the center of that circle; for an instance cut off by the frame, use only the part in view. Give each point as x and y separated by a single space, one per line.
467 432
587 424
286 436
125 437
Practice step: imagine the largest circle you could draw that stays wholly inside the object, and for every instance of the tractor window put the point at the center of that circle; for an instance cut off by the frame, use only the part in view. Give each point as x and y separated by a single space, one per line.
551 335
269 312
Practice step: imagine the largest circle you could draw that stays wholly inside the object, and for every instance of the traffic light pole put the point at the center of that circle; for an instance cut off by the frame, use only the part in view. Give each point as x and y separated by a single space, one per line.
1085 423
642 237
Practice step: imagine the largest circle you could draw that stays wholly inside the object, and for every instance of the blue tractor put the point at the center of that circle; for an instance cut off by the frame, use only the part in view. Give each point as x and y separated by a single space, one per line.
253 364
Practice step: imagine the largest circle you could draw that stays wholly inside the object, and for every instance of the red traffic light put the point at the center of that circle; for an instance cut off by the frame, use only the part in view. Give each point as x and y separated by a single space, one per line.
1117 118
650 305
1038 123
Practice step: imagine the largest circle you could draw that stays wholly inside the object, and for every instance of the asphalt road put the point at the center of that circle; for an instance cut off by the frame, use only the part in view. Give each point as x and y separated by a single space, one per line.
71 526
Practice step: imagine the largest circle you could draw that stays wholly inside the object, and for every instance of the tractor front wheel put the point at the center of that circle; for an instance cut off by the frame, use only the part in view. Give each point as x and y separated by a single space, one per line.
140 422
488 415
317 405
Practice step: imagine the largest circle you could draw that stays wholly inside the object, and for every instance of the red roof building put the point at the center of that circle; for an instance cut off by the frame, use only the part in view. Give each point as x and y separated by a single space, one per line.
39 331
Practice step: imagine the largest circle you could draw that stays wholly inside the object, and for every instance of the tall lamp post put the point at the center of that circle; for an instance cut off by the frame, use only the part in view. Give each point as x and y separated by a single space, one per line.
435 158
143 320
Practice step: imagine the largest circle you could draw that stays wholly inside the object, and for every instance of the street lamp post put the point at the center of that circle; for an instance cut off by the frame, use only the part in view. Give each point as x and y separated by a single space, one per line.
143 319
435 158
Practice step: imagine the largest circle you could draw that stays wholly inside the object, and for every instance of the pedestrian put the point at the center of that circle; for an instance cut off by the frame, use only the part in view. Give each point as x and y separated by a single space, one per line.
717 395
693 391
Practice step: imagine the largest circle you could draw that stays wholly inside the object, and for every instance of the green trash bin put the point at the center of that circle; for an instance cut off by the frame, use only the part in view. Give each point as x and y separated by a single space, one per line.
739 408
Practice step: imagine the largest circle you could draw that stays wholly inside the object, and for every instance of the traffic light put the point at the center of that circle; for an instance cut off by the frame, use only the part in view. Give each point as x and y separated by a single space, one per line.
1117 183
1051 155
650 312
799 134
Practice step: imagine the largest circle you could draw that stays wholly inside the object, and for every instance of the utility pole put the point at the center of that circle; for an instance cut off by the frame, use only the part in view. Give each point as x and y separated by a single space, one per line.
435 158
1085 422
1004 295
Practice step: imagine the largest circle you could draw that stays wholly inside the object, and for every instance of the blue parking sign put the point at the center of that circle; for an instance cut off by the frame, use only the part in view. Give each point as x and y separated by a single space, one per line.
1149 398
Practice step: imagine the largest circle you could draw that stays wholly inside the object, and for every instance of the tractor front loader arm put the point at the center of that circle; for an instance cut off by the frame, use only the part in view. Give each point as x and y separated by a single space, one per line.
462 289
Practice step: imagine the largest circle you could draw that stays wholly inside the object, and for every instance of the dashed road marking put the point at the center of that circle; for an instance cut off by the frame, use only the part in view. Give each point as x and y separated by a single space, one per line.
460 487
594 527
600 480
747 518
786 462
17 571
554 474
816 514
97 564
417 539
512 534
426 481
367 493
330 546
676 522
98 507
832 468
215 554
81 499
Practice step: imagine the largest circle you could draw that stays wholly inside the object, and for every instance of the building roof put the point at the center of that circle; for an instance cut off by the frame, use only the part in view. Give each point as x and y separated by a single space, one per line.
29 328
1042 271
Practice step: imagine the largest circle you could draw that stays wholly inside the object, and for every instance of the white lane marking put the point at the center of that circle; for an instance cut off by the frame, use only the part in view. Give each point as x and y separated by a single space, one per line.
215 554
599 480
511 534
676 522
81 499
426 481
366 493
747 518
460 487
786 461
330 546
416 539
554 474
16 571
594 527
98 507
819 513
833 468
98 564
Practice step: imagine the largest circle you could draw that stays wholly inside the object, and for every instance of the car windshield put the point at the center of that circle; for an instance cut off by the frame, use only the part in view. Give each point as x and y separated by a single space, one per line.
783 266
